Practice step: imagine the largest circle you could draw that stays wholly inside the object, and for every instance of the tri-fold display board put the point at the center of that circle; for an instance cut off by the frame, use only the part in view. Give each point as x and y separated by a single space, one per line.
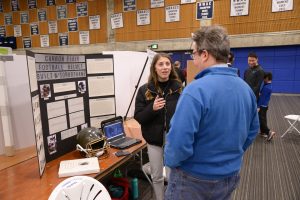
68 93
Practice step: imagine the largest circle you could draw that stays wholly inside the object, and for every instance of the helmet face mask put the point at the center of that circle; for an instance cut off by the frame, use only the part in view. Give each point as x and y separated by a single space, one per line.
93 142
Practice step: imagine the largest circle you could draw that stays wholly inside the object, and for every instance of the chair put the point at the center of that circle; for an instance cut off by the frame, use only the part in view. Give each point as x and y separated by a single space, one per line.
292 120
80 187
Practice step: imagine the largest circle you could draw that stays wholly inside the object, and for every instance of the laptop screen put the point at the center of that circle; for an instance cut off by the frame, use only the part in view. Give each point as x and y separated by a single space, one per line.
113 130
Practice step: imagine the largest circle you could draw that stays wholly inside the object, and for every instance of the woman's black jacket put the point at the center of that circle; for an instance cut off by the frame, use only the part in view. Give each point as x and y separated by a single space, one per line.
155 124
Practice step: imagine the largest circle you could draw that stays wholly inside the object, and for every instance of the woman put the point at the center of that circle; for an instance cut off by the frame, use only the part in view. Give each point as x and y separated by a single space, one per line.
154 107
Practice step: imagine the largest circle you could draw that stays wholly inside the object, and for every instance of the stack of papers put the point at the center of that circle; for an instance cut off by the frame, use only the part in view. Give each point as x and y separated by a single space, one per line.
78 167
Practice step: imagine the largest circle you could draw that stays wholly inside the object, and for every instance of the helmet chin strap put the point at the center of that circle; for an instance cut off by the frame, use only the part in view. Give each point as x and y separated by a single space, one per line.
80 148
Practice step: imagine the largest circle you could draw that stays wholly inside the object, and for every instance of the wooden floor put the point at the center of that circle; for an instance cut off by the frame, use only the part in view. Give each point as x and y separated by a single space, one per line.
271 171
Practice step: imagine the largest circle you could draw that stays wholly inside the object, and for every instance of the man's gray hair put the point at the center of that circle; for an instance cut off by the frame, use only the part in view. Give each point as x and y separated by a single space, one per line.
215 40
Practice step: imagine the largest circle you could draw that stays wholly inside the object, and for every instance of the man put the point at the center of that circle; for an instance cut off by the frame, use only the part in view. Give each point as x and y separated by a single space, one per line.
214 123
254 75
231 60
179 71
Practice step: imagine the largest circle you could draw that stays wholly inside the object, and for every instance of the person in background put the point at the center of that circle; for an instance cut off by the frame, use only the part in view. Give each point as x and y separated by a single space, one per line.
231 60
154 107
208 136
179 72
254 75
263 105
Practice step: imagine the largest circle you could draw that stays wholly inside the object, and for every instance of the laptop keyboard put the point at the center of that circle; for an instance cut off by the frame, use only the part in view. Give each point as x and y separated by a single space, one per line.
124 141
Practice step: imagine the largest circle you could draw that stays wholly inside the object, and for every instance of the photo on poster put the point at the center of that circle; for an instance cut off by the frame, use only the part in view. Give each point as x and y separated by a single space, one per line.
82 86
45 91
52 144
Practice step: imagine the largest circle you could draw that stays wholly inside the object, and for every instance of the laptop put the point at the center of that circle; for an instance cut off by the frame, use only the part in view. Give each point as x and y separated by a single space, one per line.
114 131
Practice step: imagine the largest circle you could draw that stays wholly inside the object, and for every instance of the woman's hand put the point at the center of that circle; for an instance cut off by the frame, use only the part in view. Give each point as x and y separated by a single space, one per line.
158 103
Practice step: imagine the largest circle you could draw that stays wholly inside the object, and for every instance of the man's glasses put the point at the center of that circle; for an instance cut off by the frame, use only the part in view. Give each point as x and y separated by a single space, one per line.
199 52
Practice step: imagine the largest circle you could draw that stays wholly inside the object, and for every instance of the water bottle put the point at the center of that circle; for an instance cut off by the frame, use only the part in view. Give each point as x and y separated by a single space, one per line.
135 188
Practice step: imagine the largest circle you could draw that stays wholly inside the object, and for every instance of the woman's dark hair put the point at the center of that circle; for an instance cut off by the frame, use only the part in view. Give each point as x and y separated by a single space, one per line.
153 77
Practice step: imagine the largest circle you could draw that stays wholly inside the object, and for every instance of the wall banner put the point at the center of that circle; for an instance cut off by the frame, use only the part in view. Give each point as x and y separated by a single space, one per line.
61 12
129 5
15 5
84 37
282 5
24 17
143 17
52 26
239 8
7 18
31 4
157 3
42 15
17 31
204 10
72 24
82 9
2 31
173 13
63 39
34 29
50 2
187 1
26 43
116 20
94 22
44 40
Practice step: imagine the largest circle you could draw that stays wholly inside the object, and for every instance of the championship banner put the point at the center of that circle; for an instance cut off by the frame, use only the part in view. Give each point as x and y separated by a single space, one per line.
24 17
204 10
94 22
116 20
172 13
239 8
282 5
143 17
